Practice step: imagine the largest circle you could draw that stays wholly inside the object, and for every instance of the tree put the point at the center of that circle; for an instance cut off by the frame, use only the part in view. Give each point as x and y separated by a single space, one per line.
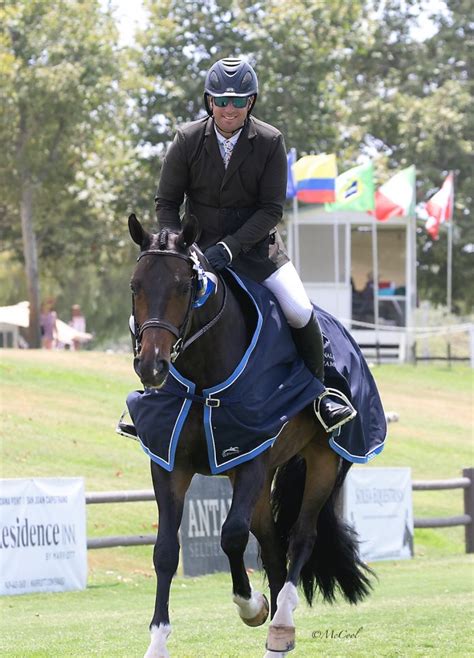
410 103
58 64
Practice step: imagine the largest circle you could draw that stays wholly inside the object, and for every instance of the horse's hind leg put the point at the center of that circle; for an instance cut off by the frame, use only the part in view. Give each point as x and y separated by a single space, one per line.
247 483
170 489
321 473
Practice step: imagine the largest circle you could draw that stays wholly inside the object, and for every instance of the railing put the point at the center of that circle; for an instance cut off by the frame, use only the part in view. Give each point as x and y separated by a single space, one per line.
465 482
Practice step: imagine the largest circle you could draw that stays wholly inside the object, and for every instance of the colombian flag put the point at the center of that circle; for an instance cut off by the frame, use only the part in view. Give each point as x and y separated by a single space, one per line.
315 177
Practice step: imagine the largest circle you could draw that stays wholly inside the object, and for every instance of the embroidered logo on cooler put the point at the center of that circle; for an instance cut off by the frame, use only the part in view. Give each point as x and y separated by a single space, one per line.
228 452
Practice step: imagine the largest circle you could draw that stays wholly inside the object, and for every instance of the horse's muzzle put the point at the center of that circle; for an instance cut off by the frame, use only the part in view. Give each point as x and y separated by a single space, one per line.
152 372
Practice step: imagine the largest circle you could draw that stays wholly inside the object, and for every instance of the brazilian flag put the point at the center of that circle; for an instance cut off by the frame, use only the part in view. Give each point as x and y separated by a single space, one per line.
354 189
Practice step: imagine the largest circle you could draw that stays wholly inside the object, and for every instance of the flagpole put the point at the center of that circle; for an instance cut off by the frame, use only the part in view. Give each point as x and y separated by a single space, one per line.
336 258
449 263
296 234
410 284
375 276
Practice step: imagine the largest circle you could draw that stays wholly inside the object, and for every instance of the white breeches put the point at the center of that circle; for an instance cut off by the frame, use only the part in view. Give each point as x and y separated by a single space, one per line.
288 288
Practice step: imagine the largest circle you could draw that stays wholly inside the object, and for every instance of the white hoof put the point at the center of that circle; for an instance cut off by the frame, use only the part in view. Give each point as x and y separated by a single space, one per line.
253 611
159 635
281 632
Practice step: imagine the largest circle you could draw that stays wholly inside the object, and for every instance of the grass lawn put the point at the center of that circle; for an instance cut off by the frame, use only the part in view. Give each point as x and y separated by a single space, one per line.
418 608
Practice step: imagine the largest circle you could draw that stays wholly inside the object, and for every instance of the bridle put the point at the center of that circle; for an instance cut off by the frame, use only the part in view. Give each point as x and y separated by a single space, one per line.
180 333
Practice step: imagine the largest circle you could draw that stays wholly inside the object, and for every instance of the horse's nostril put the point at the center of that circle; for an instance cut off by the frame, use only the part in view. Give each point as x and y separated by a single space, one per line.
136 364
162 367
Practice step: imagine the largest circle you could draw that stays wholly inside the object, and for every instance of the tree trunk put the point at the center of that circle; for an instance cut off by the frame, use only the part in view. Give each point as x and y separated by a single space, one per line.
31 261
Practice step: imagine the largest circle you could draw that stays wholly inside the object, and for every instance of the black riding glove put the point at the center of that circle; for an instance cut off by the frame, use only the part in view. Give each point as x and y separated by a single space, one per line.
218 256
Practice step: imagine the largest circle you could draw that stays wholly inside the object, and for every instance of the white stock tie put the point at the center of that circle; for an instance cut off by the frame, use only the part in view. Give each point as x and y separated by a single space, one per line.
228 148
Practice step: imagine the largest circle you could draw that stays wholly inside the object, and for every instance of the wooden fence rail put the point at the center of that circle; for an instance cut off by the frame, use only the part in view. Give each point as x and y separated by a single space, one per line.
467 519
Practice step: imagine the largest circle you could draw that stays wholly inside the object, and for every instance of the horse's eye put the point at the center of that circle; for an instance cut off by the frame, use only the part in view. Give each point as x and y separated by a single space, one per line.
134 287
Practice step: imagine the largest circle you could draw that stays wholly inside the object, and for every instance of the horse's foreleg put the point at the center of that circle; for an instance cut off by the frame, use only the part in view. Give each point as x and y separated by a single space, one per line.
248 481
170 489
272 552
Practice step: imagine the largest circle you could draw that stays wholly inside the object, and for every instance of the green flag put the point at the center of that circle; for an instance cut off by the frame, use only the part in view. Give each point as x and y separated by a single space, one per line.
354 189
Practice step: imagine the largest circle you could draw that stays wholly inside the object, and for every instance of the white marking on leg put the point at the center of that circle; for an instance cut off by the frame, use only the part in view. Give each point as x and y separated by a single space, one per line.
249 608
275 654
159 635
287 601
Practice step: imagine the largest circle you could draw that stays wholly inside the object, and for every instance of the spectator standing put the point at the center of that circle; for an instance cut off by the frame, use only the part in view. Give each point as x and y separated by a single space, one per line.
48 318
78 322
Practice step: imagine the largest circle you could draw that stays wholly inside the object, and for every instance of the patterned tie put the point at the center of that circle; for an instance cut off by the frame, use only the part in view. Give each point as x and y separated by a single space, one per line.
228 148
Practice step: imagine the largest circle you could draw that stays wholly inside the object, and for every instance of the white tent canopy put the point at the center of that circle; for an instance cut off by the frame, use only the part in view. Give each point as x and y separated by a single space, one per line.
18 315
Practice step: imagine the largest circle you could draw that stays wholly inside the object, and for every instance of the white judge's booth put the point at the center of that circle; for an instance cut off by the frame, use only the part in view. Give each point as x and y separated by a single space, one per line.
339 255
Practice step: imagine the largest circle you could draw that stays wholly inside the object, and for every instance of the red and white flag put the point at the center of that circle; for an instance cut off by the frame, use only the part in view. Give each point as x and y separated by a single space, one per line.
440 207
396 197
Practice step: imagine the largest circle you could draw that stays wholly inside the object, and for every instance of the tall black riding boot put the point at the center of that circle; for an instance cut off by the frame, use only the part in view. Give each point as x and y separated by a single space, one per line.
309 343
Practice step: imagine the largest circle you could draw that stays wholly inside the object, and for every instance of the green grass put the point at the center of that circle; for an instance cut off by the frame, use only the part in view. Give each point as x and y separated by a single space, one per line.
59 411
418 608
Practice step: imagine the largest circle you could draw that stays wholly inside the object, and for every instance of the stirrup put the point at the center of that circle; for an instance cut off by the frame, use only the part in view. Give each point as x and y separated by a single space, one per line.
333 392
126 429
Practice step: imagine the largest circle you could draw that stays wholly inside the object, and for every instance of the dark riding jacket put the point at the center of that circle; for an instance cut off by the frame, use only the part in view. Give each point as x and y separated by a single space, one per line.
241 205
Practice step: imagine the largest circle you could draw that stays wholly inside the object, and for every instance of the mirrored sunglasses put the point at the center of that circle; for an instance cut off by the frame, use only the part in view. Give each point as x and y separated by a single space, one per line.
237 101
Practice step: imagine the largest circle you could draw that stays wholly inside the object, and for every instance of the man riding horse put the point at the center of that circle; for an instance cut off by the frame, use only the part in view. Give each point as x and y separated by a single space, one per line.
232 170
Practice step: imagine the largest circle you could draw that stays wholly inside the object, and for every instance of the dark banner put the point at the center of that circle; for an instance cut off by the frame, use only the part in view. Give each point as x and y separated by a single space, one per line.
205 509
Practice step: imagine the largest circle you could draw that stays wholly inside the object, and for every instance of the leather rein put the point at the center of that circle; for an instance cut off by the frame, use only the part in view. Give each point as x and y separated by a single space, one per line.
183 341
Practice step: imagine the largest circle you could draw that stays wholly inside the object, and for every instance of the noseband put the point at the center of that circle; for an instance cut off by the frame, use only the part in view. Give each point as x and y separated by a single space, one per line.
181 332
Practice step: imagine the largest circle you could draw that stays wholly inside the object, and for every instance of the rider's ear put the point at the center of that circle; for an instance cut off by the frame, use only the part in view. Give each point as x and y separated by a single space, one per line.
137 232
189 231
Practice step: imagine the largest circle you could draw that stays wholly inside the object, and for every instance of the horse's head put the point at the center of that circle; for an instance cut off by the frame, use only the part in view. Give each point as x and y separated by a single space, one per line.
164 285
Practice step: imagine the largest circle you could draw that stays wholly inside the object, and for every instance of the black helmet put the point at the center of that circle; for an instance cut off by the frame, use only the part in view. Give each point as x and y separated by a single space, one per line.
230 77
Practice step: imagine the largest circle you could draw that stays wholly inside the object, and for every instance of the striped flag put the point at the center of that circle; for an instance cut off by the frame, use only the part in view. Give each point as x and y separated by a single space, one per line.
396 197
440 207
315 177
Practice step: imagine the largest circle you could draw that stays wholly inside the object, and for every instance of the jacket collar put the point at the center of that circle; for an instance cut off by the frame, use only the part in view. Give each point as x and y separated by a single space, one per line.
242 149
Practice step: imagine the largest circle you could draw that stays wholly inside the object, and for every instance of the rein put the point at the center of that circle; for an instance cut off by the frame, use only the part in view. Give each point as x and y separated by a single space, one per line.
182 342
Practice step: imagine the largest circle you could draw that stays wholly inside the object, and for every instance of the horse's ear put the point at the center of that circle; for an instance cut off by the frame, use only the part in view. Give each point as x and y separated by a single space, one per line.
138 233
189 232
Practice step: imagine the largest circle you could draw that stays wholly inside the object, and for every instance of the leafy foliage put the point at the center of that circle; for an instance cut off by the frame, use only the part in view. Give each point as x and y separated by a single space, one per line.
87 122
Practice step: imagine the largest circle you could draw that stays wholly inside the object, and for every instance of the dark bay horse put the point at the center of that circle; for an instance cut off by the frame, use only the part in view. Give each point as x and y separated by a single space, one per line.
286 495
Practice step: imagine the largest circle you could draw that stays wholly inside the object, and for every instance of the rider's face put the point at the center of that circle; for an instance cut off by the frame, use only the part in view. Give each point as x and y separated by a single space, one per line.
229 119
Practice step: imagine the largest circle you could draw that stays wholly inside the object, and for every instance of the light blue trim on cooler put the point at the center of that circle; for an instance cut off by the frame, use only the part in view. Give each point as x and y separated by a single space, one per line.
241 366
209 392
178 426
354 458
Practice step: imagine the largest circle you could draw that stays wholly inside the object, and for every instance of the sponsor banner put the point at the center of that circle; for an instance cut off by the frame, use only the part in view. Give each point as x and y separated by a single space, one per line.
43 542
377 502
206 507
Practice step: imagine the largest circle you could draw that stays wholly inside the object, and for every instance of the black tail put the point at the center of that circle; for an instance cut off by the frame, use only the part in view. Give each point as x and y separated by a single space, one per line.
334 563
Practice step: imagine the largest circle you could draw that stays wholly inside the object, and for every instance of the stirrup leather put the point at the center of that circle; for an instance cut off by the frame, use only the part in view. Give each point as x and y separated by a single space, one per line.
126 429
333 392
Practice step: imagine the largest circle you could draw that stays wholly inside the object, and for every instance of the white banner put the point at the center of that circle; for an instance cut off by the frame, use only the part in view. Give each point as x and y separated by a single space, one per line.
43 542
378 504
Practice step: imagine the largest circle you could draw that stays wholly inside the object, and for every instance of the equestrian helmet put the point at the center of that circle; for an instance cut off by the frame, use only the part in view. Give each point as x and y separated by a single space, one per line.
230 77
